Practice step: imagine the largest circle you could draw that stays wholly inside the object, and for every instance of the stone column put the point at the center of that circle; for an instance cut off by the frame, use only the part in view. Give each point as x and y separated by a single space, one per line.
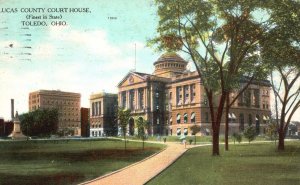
144 98
136 94
151 98
127 99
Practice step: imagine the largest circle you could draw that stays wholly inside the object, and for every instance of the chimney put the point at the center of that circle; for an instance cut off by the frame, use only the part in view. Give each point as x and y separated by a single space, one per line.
12 108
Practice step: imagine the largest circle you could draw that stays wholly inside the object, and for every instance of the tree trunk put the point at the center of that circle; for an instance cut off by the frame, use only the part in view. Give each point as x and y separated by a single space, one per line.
226 122
216 151
216 121
281 140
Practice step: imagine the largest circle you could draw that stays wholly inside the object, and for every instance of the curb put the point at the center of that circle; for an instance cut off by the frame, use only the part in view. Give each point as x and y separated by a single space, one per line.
111 173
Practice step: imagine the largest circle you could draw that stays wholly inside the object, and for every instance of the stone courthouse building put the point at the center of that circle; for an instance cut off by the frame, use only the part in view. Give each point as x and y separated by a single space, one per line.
103 108
172 99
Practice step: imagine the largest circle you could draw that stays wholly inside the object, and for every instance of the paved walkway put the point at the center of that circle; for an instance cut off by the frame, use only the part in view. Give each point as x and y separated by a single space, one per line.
142 172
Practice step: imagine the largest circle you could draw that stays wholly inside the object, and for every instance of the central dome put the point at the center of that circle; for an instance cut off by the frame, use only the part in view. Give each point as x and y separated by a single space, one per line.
169 64
169 57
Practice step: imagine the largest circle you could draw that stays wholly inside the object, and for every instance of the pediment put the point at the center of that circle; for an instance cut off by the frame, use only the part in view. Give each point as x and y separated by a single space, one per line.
132 78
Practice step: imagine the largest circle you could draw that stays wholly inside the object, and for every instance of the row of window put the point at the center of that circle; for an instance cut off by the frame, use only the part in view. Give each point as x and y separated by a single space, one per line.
167 65
96 126
132 99
185 96
185 118
72 125
60 102
96 108
185 131
69 119
70 114
95 133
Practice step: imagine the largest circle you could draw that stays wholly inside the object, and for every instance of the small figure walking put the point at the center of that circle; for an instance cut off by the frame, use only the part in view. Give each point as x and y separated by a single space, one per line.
165 139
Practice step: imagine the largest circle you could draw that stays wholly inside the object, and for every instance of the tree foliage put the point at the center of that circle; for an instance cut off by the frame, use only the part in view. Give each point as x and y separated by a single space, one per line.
195 129
142 126
281 50
221 38
237 137
250 133
123 116
272 131
41 122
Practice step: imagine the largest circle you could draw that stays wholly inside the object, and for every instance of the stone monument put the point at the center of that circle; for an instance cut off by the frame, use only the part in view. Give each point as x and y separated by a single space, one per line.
17 133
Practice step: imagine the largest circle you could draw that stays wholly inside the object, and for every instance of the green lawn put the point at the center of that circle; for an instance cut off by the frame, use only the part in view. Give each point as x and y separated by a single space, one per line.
66 162
199 139
258 164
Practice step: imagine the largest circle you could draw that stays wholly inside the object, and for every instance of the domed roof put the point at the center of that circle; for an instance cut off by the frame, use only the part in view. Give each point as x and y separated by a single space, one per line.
169 56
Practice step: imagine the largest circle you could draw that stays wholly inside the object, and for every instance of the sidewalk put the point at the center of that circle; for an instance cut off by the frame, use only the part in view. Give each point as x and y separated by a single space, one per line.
141 172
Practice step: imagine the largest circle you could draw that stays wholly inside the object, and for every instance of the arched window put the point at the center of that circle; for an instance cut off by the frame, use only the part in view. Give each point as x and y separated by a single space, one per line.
178 131
193 118
178 118
185 118
185 131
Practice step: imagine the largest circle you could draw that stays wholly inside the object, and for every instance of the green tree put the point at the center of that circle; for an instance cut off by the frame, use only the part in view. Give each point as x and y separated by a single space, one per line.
221 38
41 122
281 50
123 116
142 126
237 137
272 131
195 129
250 133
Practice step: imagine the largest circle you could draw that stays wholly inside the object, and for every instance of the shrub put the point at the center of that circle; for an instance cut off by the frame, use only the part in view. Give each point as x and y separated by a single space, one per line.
250 133
237 137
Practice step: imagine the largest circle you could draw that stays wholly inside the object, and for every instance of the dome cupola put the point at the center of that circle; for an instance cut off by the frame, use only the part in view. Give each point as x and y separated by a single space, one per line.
169 64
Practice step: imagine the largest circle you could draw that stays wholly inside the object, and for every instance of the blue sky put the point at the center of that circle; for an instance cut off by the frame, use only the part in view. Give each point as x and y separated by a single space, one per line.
92 53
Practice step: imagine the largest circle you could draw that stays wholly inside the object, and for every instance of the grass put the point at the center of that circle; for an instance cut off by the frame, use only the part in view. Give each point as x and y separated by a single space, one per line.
244 164
66 162
199 139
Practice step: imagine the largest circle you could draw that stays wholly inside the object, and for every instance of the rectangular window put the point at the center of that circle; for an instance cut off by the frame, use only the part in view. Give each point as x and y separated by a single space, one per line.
131 99
141 98
186 94
93 109
179 95
256 98
193 93
123 99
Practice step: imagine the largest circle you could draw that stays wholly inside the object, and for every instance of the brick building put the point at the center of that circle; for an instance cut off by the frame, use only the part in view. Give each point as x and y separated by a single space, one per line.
172 99
85 126
67 103
103 108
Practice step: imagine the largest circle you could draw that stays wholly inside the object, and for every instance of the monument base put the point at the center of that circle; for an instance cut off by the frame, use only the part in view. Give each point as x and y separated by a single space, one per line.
17 136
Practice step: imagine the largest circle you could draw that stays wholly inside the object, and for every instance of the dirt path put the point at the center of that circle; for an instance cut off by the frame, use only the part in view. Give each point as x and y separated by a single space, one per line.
141 172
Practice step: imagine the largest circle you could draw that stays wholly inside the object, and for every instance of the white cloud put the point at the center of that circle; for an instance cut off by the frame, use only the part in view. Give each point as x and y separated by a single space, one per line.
82 61
43 51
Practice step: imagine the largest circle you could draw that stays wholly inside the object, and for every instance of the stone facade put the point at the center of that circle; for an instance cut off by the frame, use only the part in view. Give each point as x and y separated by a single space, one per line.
172 99
103 108
67 103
